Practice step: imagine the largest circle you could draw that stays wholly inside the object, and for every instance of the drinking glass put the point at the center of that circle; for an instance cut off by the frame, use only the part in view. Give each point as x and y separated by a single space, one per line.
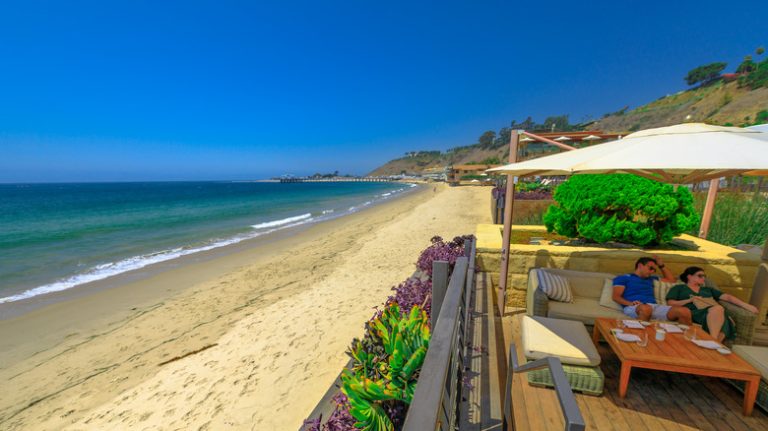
690 333
643 339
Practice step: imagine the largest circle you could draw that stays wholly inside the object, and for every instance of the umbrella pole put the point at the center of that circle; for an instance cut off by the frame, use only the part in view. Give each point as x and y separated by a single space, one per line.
706 218
509 201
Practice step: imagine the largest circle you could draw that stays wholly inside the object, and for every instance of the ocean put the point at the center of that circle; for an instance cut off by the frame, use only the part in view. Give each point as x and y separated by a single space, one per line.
55 237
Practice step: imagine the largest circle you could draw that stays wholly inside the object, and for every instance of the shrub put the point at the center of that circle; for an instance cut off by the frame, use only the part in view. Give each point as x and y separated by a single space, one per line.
620 207
379 385
738 218
339 420
413 292
441 250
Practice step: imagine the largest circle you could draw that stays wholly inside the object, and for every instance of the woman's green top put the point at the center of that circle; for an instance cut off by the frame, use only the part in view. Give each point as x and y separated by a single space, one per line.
681 292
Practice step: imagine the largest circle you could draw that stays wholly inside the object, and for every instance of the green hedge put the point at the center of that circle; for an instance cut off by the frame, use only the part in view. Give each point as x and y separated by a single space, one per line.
622 208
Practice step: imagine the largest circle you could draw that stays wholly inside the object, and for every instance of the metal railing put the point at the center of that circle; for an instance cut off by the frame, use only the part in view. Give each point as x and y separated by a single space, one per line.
571 413
436 400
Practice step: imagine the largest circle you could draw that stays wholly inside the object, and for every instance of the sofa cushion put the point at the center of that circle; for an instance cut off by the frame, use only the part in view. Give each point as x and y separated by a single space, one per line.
756 356
660 289
587 287
555 286
606 298
564 339
582 309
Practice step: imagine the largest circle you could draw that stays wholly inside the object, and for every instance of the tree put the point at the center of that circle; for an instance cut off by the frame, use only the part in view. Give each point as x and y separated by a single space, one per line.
486 139
620 207
559 123
705 74
760 50
747 65
503 137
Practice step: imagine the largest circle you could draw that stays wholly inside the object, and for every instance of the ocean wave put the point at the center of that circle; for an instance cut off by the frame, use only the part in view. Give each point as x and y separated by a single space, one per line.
106 270
282 221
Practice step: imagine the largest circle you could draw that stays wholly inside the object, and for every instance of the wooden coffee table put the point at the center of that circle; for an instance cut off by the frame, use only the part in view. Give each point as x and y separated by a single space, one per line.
679 355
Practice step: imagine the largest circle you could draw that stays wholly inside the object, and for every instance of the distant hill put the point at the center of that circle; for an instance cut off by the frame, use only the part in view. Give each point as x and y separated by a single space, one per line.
720 102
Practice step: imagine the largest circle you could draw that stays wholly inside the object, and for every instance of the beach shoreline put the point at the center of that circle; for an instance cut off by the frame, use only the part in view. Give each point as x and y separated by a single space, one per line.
264 328
278 238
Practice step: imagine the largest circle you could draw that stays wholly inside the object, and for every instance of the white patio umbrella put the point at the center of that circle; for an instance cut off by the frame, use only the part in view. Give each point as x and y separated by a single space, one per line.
685 153
563 138
591 138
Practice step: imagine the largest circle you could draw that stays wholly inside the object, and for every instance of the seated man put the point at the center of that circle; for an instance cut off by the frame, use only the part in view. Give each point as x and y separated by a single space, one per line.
635 292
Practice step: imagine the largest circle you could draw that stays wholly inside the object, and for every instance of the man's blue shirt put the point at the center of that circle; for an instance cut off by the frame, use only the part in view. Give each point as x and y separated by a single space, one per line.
636 288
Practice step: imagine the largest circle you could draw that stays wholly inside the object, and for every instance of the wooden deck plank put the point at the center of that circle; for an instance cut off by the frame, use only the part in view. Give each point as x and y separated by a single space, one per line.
630 416
481 407
732 400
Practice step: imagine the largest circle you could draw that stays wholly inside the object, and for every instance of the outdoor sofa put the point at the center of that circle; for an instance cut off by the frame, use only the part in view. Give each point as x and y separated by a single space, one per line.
591 293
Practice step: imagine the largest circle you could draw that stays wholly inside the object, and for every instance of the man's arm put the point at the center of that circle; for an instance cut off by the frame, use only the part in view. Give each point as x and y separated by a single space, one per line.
618 292
667 274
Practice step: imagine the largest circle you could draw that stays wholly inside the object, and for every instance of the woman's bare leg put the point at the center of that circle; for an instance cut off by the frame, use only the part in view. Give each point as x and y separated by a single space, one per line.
715 320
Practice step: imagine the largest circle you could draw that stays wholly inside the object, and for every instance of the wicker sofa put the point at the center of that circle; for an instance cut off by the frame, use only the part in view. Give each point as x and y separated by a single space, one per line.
587 288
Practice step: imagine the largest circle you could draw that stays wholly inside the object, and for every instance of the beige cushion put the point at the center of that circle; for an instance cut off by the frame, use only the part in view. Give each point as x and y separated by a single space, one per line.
581 309
606 297
757 356
554 286
564 339
660 290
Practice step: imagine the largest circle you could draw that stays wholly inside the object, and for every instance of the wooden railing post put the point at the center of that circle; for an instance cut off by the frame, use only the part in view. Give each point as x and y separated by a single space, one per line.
439 287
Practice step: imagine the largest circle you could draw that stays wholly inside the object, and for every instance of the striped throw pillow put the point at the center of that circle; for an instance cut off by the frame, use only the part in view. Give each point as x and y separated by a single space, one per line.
660 290
554 286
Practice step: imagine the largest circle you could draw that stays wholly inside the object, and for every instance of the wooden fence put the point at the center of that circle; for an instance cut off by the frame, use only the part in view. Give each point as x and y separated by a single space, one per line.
436 400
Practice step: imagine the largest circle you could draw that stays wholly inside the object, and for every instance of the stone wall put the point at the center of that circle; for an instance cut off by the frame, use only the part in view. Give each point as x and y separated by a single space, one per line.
732 270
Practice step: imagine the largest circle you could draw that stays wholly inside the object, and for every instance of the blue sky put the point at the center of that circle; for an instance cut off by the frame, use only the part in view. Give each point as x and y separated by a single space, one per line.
130 91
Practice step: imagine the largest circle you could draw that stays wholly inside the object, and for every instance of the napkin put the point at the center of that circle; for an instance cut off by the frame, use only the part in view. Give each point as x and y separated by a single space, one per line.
707 344
670 328
634 324
632 338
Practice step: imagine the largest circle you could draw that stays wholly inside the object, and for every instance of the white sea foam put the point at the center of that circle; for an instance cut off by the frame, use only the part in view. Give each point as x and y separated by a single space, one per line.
100 272
282 221
107 270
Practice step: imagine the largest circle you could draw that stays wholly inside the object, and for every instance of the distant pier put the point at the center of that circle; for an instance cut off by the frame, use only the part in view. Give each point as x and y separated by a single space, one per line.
339 180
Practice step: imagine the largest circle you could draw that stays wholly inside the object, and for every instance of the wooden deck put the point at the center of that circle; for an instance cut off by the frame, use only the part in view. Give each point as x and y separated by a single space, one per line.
656 400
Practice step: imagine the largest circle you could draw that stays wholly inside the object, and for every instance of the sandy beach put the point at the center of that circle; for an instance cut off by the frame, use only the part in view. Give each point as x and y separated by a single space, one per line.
250 340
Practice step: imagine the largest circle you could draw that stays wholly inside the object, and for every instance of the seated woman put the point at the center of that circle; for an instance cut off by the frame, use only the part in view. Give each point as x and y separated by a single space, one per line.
713 319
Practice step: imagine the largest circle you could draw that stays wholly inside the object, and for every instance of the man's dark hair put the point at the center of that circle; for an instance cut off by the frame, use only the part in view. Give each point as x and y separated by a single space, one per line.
644 261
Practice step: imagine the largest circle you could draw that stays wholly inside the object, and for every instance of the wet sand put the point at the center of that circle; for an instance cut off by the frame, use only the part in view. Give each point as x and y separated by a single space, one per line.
249 340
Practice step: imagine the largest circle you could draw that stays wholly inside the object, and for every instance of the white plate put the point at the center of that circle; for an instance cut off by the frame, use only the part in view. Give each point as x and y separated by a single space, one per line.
724 351
644 323
631 338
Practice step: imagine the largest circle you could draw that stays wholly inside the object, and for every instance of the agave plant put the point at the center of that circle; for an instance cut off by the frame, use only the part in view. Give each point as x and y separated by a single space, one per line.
374 384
